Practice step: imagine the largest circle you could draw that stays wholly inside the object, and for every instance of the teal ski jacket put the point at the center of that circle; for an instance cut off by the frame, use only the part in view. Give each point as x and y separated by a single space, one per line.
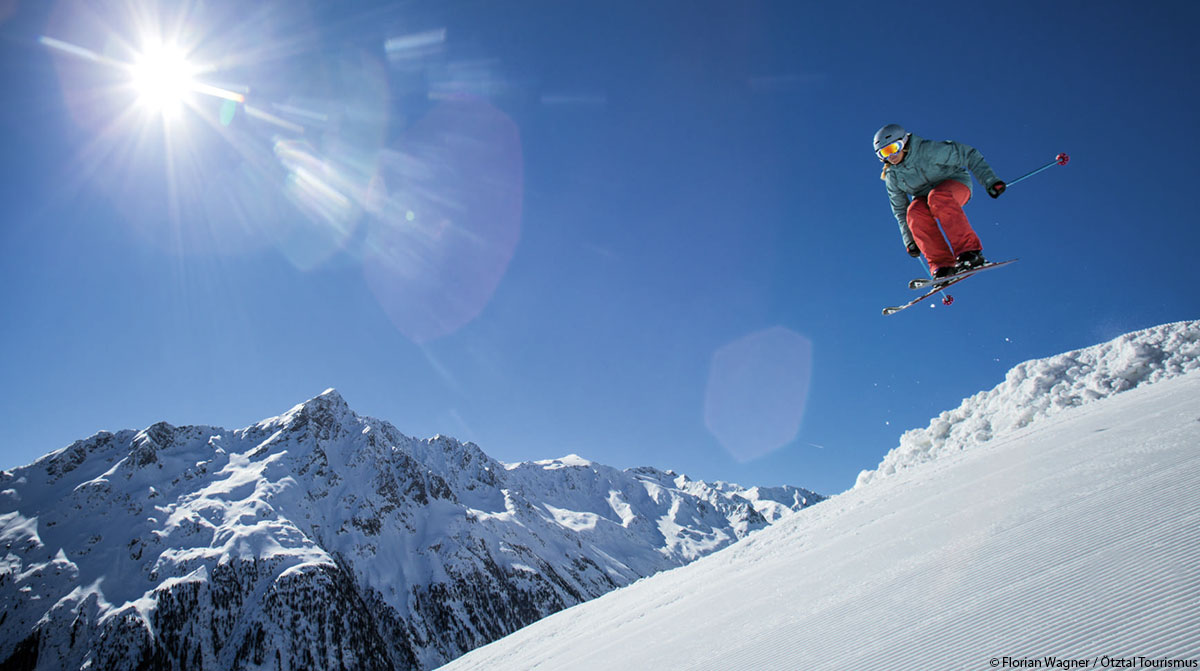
926 165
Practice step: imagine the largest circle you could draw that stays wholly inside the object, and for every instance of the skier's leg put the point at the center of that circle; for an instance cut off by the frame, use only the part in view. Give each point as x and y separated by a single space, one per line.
946 202
927 235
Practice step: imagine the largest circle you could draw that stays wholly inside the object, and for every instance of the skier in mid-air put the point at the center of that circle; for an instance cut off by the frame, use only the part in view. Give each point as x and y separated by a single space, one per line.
928 183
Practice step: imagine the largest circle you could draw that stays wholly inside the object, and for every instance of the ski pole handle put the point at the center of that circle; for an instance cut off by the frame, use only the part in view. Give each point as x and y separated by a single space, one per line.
1061 159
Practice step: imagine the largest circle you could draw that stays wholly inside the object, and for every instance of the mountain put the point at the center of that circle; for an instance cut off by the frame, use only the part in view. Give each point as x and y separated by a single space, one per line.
321 539
1067 541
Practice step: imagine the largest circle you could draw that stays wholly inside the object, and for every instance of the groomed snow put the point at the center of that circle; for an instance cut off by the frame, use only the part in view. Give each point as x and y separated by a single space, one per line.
1075 537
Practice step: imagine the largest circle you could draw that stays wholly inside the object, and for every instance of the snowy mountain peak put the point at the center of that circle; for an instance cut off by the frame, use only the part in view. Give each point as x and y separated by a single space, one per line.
569 461
321 422
327 405
231 548
148 442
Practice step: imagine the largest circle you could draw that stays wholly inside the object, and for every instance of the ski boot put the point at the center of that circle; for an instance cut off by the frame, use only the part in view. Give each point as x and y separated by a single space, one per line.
969 261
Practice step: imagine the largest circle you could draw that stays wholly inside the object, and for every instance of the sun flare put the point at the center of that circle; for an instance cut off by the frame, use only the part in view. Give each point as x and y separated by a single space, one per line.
163 78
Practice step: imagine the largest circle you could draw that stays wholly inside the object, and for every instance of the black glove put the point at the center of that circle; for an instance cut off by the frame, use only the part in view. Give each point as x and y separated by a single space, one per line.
996 189
913 250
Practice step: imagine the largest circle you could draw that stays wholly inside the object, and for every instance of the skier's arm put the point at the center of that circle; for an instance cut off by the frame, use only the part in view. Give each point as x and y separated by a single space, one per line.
900 201
973 159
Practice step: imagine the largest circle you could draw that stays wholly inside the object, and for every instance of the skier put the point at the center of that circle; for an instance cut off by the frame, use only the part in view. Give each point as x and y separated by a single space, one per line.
934 175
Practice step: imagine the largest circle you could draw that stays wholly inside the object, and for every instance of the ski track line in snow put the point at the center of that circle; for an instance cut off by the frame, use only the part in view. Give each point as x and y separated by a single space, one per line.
1062 558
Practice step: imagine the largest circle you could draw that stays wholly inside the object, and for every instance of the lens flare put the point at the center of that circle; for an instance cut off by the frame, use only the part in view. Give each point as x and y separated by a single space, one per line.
442 239
757 391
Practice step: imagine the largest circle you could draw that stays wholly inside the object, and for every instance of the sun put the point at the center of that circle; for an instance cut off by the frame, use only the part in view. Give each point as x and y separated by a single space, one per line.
163 79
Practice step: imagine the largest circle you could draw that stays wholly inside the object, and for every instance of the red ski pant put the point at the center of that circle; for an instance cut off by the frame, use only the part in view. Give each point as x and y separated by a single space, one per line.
943 204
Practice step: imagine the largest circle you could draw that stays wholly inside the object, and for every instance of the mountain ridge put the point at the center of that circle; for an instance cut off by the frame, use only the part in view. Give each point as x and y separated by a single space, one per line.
324 539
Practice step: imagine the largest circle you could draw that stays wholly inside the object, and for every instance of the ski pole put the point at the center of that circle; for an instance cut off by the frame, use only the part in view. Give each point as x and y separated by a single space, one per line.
1061 159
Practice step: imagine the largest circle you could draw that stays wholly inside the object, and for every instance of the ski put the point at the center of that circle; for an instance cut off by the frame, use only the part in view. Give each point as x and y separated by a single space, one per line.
942 286
923 282
954 280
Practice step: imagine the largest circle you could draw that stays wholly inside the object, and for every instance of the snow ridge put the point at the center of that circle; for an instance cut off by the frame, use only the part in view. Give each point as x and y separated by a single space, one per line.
1045 387
324 539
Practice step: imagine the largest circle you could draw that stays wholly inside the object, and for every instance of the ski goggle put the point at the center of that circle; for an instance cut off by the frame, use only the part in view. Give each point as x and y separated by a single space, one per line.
888 150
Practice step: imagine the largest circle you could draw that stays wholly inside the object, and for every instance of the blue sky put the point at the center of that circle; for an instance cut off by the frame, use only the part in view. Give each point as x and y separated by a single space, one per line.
646 233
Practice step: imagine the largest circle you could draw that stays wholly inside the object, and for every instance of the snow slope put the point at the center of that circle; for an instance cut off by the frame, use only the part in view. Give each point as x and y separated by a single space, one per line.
1076 536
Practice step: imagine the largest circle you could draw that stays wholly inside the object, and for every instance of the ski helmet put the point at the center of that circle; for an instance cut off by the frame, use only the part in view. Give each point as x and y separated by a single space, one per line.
888 134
